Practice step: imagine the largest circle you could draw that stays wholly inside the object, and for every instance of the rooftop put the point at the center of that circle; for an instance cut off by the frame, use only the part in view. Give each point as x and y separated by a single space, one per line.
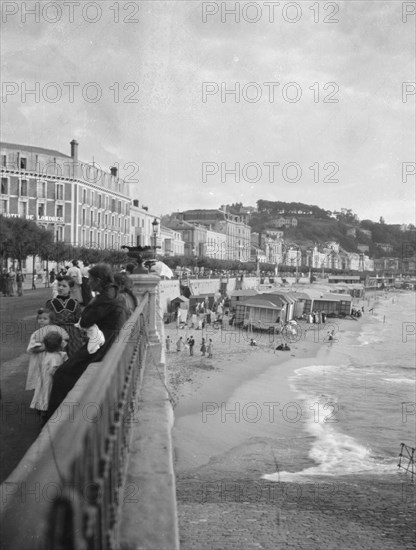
32 149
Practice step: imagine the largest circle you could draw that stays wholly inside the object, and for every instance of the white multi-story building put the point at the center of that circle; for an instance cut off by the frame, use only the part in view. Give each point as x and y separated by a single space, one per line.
78 202
171 241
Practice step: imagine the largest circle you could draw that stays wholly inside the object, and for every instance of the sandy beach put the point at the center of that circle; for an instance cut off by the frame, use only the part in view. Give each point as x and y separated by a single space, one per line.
226 438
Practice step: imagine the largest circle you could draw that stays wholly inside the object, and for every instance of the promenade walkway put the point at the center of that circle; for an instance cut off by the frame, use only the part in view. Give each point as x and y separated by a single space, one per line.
19 425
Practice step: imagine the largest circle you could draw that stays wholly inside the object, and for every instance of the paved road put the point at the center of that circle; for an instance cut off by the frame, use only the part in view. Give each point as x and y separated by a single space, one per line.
19 425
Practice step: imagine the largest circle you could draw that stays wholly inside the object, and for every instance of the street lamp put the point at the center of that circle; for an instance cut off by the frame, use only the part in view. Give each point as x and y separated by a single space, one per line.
155 225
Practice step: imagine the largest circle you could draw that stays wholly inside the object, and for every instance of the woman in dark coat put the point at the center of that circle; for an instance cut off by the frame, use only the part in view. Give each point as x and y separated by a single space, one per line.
108 311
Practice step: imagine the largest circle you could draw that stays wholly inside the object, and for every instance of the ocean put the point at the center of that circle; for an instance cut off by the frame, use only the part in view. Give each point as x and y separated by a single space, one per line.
360 394
345 411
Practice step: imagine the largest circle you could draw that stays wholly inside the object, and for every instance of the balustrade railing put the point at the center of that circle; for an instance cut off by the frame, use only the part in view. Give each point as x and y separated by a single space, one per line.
66 492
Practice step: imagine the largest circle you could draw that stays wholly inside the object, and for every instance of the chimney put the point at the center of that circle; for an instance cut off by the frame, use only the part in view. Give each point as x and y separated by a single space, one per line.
136 203
74 149
113 171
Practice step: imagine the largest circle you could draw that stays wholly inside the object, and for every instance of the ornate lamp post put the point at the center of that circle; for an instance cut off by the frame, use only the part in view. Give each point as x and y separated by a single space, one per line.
155 225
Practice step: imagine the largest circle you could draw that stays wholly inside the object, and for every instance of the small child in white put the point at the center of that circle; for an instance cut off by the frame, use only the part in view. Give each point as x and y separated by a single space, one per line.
36 347
53 357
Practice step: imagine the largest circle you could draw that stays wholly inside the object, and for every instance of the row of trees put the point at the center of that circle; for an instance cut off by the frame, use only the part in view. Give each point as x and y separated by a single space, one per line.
20 238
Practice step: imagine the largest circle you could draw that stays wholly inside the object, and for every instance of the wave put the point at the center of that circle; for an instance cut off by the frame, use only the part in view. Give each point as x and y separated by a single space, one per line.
400 380
337 454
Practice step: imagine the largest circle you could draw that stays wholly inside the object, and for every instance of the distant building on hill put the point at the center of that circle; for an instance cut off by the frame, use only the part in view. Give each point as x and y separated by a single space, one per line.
285 222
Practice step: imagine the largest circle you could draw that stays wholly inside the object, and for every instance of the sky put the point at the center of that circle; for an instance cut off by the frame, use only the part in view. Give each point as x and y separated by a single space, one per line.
323 109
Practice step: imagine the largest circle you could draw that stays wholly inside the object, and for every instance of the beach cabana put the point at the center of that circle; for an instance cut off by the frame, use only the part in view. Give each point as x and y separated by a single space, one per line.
333 303
303 303
241 295
260 312
179 302
288 308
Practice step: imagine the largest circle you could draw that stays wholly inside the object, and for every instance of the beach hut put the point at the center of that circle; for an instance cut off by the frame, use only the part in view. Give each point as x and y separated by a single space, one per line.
339 304
259 312
262 311
241 295
179 302
288 307
303 303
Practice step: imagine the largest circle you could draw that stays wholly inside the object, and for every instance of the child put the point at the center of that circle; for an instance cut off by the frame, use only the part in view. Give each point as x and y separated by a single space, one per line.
53 357
210 347
36 347
67 312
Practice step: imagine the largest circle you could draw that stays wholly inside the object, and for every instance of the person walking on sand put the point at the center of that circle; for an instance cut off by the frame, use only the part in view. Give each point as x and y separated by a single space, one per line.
179 344
203 347
210 349
191 343
167 343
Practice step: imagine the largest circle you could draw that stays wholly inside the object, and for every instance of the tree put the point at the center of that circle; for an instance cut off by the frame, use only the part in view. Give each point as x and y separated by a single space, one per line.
23 238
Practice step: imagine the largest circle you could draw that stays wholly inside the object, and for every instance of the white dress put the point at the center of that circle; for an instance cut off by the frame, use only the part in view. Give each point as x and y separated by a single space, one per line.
46 369
36 359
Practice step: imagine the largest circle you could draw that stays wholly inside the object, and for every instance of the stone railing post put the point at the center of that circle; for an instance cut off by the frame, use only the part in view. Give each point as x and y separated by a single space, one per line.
143 283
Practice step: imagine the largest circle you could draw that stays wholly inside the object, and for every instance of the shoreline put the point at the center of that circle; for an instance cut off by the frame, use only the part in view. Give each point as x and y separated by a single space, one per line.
224 384
223 501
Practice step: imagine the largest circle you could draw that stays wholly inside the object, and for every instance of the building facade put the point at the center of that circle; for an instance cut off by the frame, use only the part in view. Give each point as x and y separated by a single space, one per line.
78 202
220 221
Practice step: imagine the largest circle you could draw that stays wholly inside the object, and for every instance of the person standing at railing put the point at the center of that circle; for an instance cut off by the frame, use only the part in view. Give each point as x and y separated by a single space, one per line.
75 273
108 311
67 311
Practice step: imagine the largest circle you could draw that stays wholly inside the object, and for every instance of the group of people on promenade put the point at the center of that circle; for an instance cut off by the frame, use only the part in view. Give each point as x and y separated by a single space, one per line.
181 344
76 328
11 282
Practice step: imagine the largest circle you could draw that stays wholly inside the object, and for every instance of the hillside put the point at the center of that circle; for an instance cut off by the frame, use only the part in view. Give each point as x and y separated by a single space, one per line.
318 226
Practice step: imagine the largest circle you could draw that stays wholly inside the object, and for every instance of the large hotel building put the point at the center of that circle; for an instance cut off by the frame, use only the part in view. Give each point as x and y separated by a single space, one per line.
80 203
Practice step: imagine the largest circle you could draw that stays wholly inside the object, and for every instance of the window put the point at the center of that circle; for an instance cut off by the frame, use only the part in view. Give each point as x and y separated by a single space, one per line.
106 241
23 208
106 202
41 210
98 239
106 219
83 237
113 205
83 216
132 221
4 186
92 217
91 237
41 189
84 196
23 188
23 163
59 211
4 160
3 207
119 207
59 195
99 219
100 201
59 233
119 222
113 221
